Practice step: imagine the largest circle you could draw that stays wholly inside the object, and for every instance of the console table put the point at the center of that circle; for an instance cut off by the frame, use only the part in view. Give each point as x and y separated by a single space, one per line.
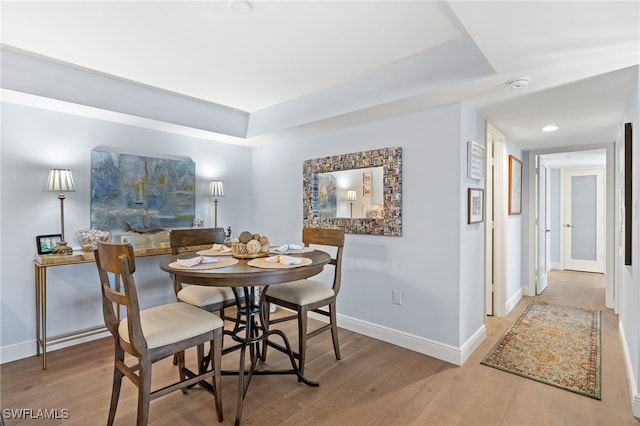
44 261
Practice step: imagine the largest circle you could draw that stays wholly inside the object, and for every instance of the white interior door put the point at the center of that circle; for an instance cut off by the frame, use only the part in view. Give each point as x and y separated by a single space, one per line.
584 220
542 230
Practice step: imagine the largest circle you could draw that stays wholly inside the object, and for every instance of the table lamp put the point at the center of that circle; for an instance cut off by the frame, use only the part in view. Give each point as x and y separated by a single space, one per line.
61 181
216 190
351 196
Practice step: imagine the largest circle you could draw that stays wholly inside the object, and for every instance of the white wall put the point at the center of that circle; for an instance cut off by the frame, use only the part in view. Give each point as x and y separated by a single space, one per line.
472 260
35 140
516 250
437 263
438 256
629 300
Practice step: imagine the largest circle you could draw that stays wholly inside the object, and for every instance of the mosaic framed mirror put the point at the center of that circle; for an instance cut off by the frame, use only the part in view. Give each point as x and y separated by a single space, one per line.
359 192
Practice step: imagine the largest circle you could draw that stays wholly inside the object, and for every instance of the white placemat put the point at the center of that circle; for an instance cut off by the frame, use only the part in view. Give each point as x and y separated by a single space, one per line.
262 263
221 263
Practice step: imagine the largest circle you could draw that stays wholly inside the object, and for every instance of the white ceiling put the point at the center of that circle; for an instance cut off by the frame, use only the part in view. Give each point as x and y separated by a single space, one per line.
289 68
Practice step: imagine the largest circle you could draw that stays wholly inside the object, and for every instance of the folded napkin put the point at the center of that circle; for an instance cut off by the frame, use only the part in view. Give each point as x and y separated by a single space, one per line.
221 247
285 260
286 247
193 261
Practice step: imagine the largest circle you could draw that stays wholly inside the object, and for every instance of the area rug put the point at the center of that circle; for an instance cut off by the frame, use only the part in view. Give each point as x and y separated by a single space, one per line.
553 344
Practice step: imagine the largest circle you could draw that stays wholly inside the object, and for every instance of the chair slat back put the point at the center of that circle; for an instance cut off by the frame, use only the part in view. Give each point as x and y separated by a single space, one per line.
328 237
116 265
180 238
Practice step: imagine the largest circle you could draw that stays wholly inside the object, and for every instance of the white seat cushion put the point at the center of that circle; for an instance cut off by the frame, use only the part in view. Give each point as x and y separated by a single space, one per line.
200 295
166 324
301 292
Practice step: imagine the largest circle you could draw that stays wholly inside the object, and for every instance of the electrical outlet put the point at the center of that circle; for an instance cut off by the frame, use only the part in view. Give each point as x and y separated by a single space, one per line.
396 297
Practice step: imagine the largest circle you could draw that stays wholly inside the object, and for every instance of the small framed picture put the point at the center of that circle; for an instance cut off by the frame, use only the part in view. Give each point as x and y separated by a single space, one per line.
515 185
366 178
475 205
46 243
475 160
366 190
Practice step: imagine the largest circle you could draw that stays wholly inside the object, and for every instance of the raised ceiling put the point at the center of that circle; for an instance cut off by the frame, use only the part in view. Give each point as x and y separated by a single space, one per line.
290 68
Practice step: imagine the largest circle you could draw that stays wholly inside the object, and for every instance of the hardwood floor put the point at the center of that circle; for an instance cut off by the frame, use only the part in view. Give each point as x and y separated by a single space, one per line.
375 383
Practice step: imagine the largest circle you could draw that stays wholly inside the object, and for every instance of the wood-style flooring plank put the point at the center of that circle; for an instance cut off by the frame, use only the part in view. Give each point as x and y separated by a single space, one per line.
375 383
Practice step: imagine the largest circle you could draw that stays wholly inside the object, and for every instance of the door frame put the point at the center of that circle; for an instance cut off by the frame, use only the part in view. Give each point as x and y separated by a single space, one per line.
496 212
612 256
541 209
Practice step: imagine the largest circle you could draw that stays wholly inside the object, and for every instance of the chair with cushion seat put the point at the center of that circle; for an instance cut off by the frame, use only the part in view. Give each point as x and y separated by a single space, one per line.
304 296
153 334
212 299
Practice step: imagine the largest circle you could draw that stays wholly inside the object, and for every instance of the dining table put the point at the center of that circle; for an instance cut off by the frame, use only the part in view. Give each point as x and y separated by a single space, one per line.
249 278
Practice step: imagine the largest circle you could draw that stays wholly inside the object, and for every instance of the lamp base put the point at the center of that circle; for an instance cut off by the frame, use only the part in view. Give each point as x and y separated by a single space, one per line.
62 249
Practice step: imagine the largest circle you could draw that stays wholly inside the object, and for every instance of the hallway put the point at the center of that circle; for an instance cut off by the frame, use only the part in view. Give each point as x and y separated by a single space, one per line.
583 290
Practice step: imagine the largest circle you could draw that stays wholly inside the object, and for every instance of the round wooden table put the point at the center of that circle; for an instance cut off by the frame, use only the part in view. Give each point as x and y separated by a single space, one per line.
250 332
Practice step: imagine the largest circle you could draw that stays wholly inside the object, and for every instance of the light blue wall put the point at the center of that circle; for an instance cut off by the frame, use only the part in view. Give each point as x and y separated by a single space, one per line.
629 300
35 140
515 252
425 262
437 263
471 236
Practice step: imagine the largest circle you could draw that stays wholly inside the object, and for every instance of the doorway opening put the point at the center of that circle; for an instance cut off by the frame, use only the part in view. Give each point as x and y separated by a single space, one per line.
573 224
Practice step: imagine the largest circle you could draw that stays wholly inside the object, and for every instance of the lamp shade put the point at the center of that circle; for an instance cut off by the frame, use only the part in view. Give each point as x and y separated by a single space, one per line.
351 195
60 180
216 189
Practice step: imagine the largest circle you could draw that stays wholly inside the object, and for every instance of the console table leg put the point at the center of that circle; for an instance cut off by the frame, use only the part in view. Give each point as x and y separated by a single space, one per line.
37 282
41 313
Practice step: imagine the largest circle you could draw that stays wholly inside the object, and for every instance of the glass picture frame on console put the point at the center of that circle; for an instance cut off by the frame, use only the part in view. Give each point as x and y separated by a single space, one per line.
330 182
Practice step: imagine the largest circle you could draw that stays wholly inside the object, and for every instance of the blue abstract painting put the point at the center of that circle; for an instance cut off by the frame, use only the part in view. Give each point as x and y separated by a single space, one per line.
327 198
145 194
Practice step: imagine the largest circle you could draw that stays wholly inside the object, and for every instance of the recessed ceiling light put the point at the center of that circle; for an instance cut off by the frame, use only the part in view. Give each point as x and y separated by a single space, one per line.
243 7
519 83
550 128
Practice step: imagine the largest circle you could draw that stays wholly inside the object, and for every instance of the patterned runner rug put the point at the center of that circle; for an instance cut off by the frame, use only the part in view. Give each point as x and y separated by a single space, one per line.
553 344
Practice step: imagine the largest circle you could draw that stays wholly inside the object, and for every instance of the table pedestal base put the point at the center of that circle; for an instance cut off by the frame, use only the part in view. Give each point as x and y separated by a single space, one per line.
250 333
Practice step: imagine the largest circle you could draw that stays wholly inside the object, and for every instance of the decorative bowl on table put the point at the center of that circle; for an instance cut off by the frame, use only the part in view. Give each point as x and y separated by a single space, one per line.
249 246
88 238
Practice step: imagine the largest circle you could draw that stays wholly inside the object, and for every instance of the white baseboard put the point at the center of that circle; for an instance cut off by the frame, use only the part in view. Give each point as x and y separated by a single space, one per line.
473 343
419 344
513 301
633 387
28 349
556 265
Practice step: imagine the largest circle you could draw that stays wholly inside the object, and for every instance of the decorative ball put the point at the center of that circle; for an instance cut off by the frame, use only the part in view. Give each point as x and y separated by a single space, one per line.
263 240
253 247
245 237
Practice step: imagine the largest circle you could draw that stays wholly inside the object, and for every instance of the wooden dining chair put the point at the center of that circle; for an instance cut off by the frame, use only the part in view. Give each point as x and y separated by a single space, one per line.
304 296
153 334
212 299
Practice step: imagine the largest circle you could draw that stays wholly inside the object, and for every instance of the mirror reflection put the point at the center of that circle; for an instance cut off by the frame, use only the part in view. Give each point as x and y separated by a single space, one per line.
354 193
360 192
